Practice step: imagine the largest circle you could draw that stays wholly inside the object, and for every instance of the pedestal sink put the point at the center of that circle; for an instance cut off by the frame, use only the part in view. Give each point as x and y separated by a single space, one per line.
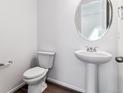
93 59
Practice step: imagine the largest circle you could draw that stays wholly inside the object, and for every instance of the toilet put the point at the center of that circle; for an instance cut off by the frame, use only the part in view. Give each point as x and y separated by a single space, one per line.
36 76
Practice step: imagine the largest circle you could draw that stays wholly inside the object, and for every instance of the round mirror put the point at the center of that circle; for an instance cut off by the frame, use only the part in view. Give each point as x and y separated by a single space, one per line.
93 18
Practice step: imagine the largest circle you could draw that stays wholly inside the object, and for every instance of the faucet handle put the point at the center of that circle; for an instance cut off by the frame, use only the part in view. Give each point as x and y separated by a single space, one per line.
94 49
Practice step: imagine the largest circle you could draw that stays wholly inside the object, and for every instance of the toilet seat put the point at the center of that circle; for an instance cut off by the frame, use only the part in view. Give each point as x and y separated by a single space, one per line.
37 79
34 73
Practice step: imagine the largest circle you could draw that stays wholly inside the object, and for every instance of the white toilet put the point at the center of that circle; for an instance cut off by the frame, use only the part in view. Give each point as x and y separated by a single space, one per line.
36 76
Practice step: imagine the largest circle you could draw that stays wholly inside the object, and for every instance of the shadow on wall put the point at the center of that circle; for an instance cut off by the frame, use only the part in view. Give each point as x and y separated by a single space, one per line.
34 61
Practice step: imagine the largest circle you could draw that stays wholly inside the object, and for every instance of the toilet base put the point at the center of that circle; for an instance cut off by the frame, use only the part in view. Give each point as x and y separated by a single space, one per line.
37 88
44 86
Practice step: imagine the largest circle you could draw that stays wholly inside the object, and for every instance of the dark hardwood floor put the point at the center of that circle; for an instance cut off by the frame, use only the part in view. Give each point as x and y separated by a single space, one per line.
52 88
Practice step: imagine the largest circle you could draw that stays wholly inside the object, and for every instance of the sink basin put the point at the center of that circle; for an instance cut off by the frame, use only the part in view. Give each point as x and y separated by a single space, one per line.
99 57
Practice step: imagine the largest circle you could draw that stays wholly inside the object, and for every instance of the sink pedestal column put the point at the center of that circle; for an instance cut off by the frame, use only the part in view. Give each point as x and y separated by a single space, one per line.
92 78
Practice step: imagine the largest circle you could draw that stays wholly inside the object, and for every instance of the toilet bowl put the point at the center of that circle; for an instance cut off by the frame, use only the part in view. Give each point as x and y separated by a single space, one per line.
35 77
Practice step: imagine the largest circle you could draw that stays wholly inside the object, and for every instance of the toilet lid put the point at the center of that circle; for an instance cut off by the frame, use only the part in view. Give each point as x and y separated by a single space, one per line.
34 72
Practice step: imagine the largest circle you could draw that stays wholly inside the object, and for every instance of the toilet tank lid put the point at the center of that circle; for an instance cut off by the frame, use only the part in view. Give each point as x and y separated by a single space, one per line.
34 72
46 52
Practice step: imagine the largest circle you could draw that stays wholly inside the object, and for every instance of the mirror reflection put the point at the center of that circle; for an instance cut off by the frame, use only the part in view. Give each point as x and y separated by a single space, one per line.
93 18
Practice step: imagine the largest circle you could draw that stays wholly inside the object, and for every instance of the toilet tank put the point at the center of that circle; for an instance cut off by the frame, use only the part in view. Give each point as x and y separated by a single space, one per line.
46 59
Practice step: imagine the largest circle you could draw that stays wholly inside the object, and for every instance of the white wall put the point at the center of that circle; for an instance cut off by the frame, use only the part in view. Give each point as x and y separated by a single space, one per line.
120 49
18 25
56 31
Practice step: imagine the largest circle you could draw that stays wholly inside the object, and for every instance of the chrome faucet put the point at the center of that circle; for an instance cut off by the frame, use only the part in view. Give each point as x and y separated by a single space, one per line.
91 49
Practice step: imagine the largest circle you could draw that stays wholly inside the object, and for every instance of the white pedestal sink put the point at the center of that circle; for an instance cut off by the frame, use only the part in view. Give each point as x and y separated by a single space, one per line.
93 59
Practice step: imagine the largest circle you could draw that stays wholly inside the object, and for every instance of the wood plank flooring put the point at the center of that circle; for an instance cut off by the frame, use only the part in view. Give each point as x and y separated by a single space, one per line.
52 88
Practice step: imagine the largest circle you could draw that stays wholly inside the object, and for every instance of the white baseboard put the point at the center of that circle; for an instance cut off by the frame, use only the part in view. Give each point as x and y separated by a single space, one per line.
16 88
66 85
